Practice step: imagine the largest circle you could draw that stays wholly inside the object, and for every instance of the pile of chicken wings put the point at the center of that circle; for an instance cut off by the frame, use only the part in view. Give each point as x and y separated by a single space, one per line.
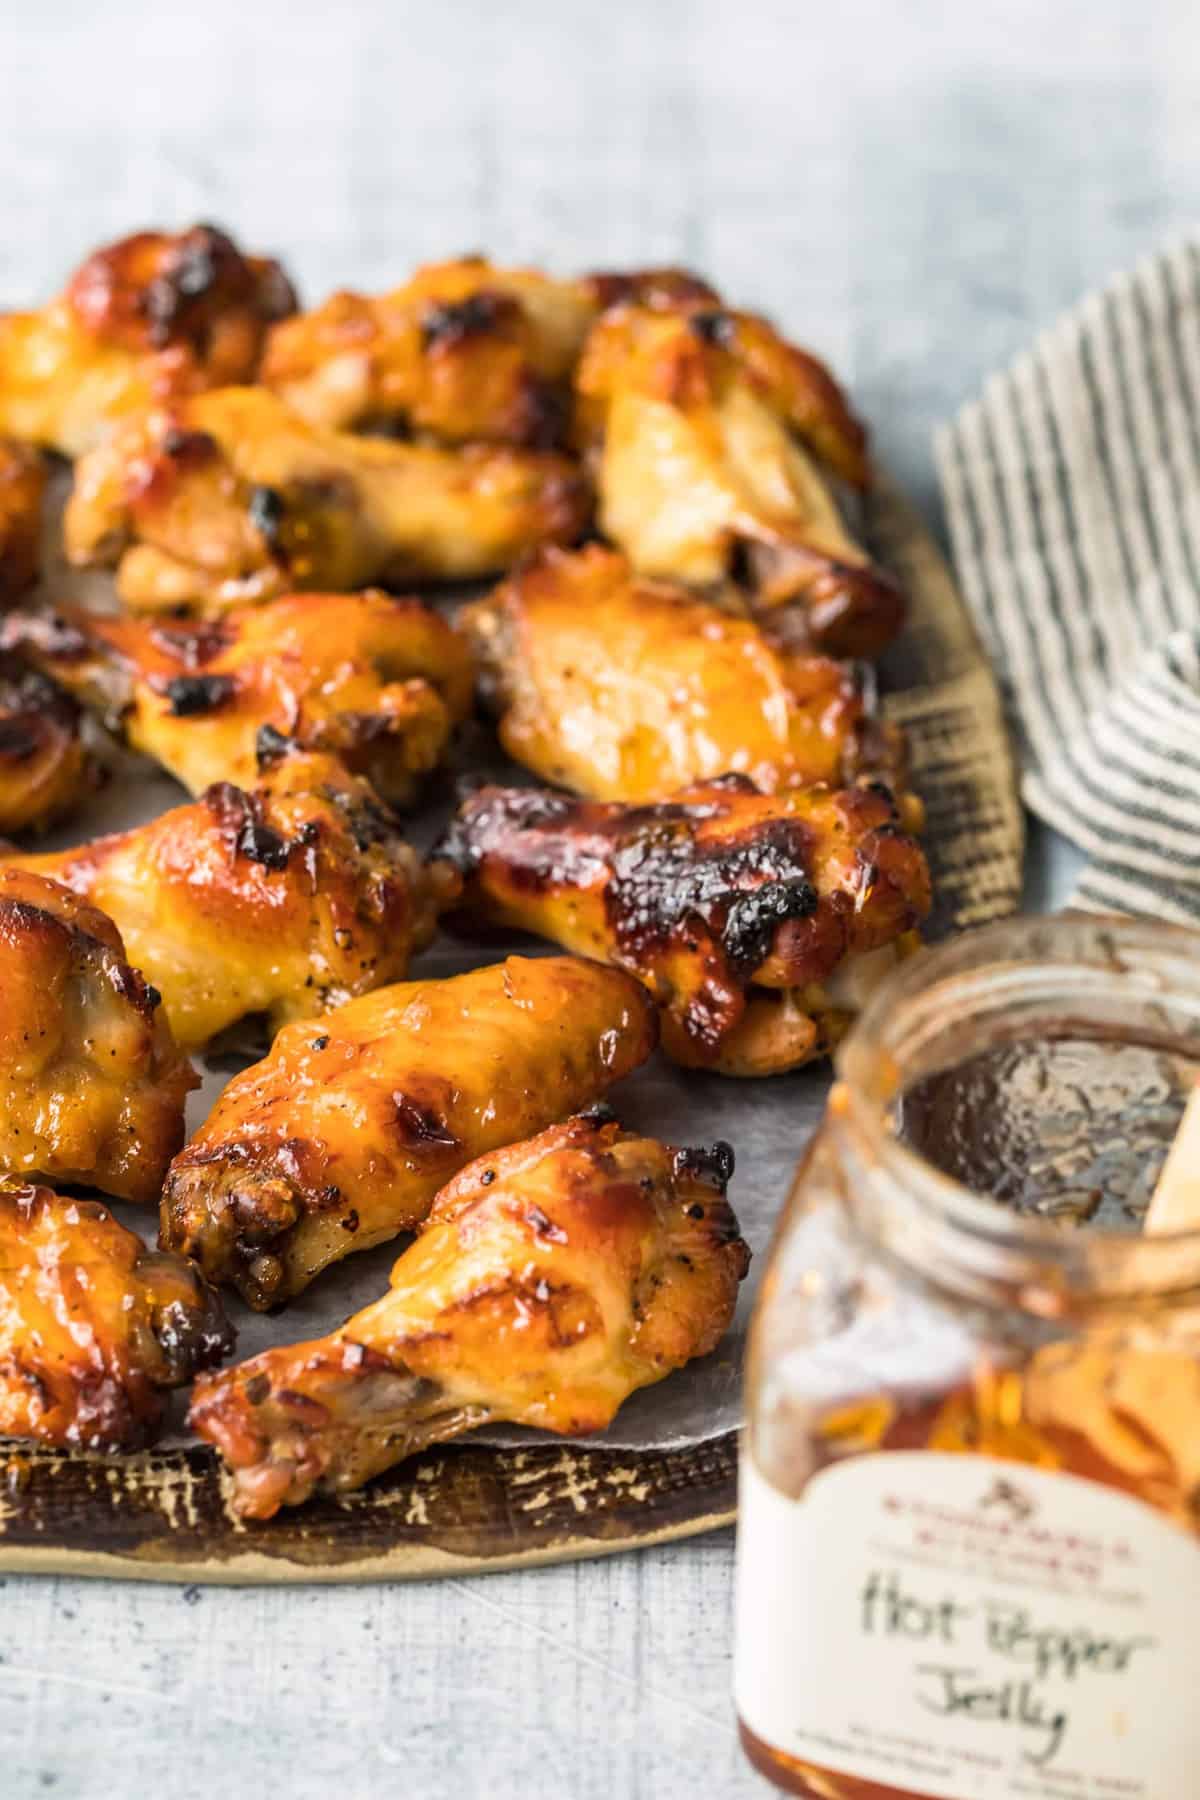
716 830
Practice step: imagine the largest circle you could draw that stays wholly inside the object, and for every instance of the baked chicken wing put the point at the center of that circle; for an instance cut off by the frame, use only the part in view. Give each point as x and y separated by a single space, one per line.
22 485
709 435
623 688
342 1135
285 899
751 918
232 497
463 351
551 1281
144 319
379 682
45 767
94 1328
92 1086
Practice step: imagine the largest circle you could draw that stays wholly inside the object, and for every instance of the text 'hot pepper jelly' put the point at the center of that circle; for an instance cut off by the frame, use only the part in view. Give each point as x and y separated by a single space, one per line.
968 1557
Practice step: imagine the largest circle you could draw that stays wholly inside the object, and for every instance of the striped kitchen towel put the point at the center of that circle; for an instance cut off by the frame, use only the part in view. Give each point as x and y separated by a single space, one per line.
1072 488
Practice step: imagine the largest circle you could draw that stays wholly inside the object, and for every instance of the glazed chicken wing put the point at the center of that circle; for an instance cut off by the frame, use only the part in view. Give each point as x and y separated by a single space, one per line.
144 319
749 917
93 1326
45 767
627 689
22 485
463 351
550 1282
92 1085
708 434
342 1135
231 497
377 681
286 899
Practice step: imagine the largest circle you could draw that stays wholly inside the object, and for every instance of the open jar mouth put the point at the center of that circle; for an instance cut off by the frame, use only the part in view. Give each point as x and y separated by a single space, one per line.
1119 982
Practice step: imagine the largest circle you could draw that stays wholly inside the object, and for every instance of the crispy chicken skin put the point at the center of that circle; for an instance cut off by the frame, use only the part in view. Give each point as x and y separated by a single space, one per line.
92 1086
378 681
550 1282
22 485
340 1138
708 435
287 899
45 768
462 351
231 497
622 688
93 1326
144 319
735 908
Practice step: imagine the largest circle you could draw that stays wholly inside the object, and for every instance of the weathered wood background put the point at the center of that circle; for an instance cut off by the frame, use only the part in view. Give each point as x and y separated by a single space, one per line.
914 189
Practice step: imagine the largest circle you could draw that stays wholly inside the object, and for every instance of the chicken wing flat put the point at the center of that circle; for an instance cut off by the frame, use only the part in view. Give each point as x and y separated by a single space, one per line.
45 768
379 682
286 899
551 1281
742 913
463 351
22 485
622 688
93 1326
710 433
231 497
92 1085
342 1135
144 319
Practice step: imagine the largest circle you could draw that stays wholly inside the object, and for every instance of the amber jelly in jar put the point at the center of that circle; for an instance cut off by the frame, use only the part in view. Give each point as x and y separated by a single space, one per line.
968 1556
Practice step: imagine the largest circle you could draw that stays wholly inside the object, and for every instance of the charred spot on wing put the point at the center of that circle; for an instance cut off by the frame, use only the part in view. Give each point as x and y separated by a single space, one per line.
271 746
19 736
715 327
598 1113
449 322
737 889
420 1127
267 510
190 696
753 919
714 1165
259 843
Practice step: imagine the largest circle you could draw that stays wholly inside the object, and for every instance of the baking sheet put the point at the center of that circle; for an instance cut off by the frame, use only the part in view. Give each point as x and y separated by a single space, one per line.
944 695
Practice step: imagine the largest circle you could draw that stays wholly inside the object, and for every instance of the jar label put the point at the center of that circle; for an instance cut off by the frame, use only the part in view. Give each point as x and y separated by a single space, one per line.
951 1626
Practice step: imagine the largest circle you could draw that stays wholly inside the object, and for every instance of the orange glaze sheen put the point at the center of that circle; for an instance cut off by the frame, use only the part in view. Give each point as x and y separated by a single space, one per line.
551 1280
622 688
342 1135
377 681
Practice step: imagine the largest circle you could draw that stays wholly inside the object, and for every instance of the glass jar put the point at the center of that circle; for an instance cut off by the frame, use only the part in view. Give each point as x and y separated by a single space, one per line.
970 1484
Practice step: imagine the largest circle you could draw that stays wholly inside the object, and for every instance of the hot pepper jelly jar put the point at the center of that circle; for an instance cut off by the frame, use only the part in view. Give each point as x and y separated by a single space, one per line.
970 1492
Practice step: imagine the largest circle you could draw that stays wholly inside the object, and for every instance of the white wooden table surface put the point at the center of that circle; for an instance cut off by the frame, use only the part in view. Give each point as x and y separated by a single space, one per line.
914 188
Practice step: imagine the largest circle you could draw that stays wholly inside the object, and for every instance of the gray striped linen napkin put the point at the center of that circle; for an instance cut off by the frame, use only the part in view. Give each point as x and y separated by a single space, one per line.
1072 490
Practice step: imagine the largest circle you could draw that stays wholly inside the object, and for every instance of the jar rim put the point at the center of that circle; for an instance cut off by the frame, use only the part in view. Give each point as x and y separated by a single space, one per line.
1031 959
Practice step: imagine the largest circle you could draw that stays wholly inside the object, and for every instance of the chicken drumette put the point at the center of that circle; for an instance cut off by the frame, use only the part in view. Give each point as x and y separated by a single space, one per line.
286 899
92 1086
462 351
45 768
623 688
231 497
93 1326
550 1282
342 1135
380 682
713 442
149 317
22 485
752 919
